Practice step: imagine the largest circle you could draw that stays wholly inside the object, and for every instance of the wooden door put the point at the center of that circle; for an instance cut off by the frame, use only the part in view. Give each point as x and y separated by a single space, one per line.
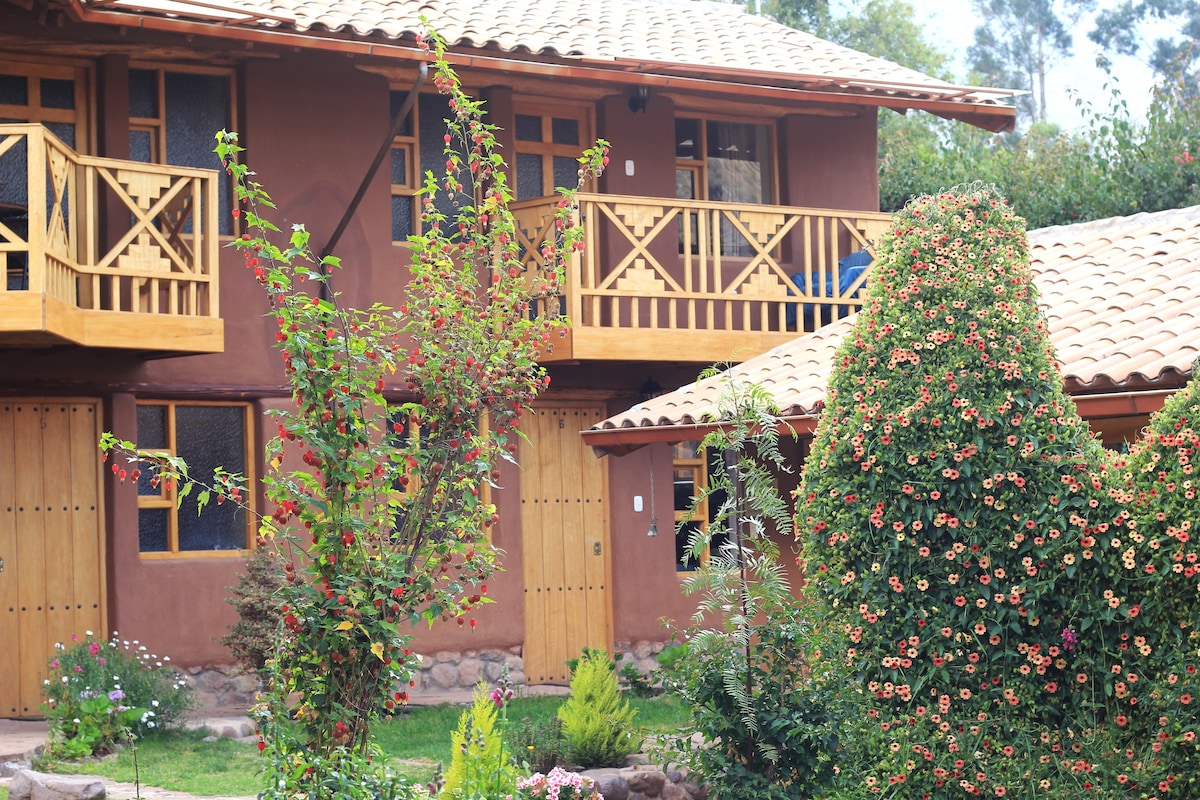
51 585
564 524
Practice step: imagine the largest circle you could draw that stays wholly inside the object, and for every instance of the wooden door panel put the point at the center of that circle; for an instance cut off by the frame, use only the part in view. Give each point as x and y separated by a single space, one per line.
85 526
9 588
31 554
565 542
50 540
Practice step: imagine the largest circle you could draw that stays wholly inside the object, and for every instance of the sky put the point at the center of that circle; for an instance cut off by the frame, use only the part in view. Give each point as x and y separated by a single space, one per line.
954 21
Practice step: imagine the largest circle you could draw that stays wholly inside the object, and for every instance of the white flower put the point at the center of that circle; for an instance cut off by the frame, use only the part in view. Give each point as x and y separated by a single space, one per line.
46 682
166 658
89 633
154 703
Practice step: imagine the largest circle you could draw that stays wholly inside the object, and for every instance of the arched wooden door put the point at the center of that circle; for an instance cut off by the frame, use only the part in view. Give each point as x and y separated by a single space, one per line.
52 583
564 524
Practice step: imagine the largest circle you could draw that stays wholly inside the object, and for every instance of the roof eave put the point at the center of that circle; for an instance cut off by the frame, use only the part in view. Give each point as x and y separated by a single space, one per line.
618 71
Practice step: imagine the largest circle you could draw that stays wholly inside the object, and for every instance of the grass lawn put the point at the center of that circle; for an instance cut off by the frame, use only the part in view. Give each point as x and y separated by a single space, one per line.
415 743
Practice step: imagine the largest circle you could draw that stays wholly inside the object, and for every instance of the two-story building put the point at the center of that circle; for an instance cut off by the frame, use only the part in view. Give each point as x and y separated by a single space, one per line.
743 171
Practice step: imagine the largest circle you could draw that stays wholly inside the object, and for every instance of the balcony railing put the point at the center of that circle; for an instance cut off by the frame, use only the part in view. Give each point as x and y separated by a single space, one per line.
101 252
685 280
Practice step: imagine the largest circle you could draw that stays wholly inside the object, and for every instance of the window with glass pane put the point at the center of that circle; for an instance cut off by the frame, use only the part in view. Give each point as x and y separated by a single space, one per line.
51 95
726 162
548 148
406 178
173 114
696 507
206 436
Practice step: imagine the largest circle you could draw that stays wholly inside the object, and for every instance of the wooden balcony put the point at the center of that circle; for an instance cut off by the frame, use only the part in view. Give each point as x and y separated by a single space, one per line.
154 288
699 281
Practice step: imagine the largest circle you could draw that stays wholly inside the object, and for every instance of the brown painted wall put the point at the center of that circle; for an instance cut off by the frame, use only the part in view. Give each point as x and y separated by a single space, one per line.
829 162
312 123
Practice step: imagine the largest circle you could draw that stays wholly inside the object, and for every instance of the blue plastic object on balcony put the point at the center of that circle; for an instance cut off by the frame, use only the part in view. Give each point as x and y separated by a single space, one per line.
849 268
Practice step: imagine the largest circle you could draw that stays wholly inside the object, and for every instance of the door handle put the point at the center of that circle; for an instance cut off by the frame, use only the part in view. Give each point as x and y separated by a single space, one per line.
596 549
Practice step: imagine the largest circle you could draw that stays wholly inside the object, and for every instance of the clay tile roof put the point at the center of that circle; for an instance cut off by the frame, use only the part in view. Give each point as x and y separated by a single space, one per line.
1122 297
680 37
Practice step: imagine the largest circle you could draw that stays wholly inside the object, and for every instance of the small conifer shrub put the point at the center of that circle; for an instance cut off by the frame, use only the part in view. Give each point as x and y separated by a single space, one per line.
480 764
596 721
256 597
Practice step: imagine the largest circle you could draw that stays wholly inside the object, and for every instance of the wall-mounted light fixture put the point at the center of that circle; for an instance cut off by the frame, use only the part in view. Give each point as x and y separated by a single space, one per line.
639 99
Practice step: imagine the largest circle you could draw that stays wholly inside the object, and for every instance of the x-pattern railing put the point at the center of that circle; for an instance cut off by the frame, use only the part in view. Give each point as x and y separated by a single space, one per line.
157 255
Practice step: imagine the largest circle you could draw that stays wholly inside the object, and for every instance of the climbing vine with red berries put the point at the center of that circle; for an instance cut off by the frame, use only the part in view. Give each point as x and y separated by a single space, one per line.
387 520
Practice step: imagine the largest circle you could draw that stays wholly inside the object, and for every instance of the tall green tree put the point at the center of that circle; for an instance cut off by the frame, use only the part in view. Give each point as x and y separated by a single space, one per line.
1122 29
806 15
888 29
1019 42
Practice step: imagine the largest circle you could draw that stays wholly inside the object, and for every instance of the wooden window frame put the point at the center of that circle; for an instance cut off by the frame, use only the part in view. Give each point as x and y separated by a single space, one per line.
582 113
168 497
157 126
33 70
414 481
698 511
700 165
410 143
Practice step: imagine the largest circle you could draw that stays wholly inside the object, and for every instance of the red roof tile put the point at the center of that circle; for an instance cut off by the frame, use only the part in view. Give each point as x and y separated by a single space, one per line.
719 41
1122 297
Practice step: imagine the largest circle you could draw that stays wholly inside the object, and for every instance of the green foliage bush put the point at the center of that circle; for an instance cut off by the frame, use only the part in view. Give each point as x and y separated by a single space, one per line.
596 721
481 767
766 702
100 693
769 712
539 745
256 597
1161 556
1117 165
955 512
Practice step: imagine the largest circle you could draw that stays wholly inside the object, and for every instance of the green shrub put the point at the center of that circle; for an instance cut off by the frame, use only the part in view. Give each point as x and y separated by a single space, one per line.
769 713
639 685
955 516
480 765
765 702
98 694
1161 555
256 597
538 744
596 722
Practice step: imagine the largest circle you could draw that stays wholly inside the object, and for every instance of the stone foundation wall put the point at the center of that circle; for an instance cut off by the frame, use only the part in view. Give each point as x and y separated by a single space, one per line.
448 670
221 689
224 688
646 783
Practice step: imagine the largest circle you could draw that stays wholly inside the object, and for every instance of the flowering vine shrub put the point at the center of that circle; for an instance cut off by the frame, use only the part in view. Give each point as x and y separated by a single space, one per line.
955 521
1161 557
387 521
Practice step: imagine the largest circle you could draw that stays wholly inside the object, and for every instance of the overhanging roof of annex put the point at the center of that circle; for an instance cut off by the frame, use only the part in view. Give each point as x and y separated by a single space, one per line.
1121 296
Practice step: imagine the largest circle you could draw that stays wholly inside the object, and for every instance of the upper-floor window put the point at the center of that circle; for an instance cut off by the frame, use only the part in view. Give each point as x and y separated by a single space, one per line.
54 95
724 162
174 112
548 145
205 435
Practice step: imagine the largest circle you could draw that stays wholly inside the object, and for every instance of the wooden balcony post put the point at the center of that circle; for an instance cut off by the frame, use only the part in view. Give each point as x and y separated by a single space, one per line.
36 176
